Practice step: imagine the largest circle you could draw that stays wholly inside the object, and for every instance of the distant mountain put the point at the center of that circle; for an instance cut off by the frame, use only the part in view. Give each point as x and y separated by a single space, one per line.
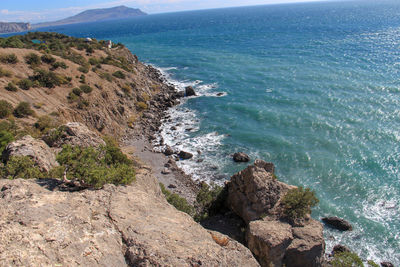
92 15
7 27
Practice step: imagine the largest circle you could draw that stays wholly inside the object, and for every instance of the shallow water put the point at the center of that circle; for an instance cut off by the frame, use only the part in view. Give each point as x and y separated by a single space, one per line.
313 88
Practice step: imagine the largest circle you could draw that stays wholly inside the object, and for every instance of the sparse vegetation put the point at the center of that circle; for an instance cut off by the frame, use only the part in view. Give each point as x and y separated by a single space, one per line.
48 79
85 68
48 59
33 59
11 87
97 167
141 105
5 109
371 263
297 203
45 123
25 84
5 138
59 64
77 91
119 74
21 167
106 76
9 59
178 202
86 88
210 200
5 73
346 259
23 110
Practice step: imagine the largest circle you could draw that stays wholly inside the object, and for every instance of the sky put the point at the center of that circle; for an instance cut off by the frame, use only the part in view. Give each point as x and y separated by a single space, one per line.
48 10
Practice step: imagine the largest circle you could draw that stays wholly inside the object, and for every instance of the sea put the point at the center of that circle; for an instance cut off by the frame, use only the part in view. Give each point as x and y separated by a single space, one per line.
312 87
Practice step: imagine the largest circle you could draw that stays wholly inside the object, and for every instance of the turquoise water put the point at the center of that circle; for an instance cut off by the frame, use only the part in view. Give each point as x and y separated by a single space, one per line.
314 88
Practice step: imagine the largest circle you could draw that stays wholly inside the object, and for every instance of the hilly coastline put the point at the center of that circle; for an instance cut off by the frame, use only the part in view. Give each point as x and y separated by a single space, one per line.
9 27
79 184
93 15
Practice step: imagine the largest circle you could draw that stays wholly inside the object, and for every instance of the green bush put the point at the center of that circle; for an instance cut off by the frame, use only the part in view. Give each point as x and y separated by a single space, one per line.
48 79
5 73
178 202
5 138
9 59
106 76
119 74
141 105
5 109
21 167
77 91
96 167
93 61
346 259
86 88
11 87
371 263
59 64
82 103
33 59
297 203
210 200
84 69
23 110
25 84
48 59
45 123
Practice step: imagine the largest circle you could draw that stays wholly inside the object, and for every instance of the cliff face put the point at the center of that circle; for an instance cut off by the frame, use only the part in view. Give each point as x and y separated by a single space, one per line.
8 27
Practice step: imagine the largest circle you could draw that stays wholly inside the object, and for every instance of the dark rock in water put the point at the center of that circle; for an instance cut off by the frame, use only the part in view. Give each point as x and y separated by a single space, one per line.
173 128
180 94
168 151
387 264
241 157
338 223
199 160
339 249
172 186
185 155
220 94
189 91
188 129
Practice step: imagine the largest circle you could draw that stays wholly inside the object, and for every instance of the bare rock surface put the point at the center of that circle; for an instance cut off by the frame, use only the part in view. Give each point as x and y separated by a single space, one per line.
37 150
116 226
338 223
76 134
241 157
254 192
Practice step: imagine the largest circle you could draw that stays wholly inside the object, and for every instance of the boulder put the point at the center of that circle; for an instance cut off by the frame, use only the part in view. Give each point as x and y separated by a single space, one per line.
268 240
189 91
241 157
307 247
116 226
338 223
185 155
168 151
75 134
387 264
254 192
37 150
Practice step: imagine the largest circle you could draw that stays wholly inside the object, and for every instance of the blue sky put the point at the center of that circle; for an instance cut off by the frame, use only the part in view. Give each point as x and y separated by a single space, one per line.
48 10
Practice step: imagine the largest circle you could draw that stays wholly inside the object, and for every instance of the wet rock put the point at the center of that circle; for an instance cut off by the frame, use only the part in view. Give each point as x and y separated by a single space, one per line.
168 151
339 249
189 91
173 128
241 157
338 223
172 186
220 94
185 155
37 150
387 264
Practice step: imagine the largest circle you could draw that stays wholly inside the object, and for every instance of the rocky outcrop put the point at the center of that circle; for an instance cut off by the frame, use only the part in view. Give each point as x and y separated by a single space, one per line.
255 193
117 226
338 223
189 91
241 157
185 155
75 134
37 150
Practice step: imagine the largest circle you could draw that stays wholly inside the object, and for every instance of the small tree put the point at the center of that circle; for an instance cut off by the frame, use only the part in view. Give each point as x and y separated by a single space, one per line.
346 259
5 138
11 87
297 203
119 74
33 59
21 167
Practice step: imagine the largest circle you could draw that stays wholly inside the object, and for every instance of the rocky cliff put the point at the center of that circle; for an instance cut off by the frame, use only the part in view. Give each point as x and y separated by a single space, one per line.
8 27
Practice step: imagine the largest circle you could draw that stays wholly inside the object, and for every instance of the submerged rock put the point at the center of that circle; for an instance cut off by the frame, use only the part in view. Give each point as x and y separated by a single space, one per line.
338 223
37 150
241 157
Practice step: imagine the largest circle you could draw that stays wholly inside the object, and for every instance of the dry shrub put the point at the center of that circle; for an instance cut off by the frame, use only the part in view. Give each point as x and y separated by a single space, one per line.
220 240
